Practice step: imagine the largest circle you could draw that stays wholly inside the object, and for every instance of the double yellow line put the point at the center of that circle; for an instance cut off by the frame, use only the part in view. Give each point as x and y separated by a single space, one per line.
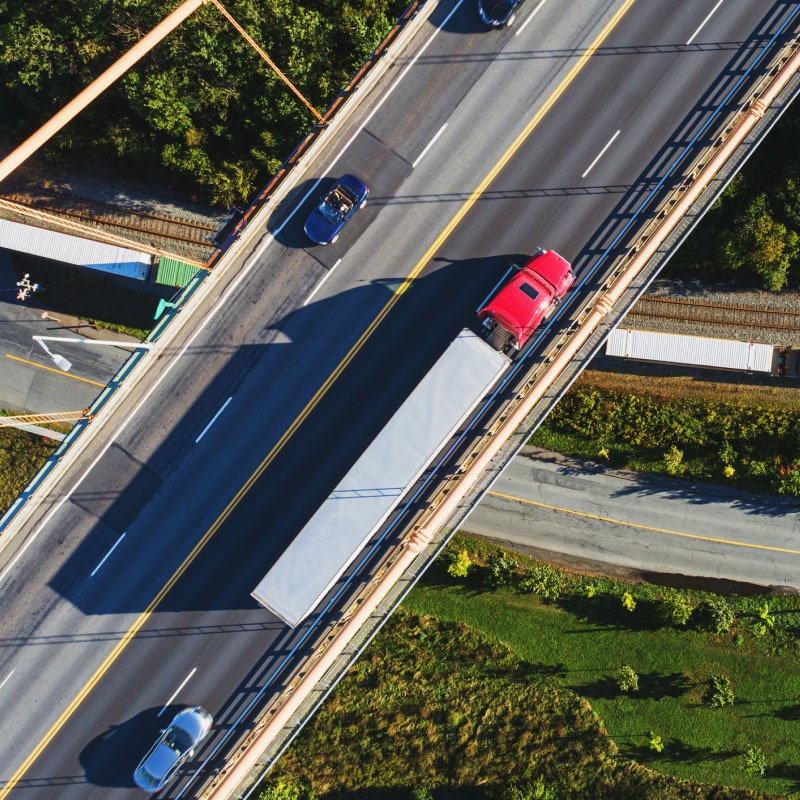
318 395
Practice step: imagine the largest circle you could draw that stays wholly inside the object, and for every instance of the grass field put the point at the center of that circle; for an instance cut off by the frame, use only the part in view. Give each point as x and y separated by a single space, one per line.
21 456
435 710
582 643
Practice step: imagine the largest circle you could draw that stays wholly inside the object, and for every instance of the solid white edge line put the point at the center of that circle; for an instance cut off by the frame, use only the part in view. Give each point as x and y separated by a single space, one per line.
213 420
600 154
319 285
5 680
232 287
429 145
703 23
177 692
366 122
103 559
530 17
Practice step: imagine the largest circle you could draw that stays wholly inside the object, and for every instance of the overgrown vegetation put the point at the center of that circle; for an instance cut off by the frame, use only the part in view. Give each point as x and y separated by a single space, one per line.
749 447
21 456
202 109
506 708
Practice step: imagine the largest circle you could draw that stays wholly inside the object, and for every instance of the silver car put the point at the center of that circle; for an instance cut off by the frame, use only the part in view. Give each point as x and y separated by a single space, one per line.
174 746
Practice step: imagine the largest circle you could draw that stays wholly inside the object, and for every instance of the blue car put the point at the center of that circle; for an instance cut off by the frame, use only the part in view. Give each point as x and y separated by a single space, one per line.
498 13
346 196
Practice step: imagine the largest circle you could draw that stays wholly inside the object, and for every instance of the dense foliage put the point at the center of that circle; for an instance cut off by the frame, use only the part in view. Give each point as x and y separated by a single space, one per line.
751 447
754 229
202 107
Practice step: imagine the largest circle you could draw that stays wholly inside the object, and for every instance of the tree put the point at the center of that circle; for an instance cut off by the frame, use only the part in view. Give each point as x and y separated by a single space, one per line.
763 244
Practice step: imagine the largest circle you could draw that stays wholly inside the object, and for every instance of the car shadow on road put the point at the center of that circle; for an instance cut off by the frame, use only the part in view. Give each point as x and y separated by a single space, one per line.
111 758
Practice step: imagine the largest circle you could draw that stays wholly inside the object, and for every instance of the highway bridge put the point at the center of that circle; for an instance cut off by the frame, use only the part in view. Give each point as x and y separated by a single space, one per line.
126 594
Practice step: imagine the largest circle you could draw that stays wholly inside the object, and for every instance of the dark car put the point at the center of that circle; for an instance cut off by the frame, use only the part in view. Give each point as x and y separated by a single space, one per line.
174 746
498 13
345 197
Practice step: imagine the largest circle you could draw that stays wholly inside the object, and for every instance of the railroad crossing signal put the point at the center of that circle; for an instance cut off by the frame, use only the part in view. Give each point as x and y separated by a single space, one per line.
26 288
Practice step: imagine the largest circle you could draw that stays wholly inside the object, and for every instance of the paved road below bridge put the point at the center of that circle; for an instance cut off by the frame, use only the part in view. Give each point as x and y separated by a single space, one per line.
582 515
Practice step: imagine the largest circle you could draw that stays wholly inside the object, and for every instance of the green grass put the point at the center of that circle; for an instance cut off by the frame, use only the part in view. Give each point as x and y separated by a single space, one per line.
583 643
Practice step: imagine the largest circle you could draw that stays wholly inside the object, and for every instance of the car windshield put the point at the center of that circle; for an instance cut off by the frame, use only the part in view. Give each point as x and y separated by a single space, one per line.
337 204
178 740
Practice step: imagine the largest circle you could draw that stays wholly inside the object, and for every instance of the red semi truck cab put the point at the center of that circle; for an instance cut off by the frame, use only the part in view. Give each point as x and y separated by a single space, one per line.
517 309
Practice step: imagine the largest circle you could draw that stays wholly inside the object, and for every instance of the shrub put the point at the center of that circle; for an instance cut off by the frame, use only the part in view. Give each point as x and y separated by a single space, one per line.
656 743
459 565
765 622
627 679
713 615
677 609
673 461
755 763
628 603
536 791
502 569
719 692
544 580
421 793
287 790
787 480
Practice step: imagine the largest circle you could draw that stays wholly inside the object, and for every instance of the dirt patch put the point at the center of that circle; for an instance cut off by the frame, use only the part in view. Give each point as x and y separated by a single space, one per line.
669 382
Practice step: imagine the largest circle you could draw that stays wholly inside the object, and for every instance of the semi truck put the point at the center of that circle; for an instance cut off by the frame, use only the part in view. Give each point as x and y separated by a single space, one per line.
518 308
315 561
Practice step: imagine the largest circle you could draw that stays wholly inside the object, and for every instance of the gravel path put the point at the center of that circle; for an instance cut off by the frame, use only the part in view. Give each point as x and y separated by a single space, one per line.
725 294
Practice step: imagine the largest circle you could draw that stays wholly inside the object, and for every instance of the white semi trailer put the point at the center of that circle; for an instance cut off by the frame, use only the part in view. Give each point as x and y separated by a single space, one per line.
374 487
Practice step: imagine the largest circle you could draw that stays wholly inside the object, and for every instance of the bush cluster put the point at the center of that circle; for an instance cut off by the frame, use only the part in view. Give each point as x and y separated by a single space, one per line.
754 448
732 619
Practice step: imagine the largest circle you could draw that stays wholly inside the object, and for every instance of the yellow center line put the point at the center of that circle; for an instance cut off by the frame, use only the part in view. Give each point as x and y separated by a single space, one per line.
57 371
318 395
699 537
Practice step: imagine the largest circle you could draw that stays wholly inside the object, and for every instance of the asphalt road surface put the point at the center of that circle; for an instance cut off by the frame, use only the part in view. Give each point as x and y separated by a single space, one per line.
586 516
30 382
131 598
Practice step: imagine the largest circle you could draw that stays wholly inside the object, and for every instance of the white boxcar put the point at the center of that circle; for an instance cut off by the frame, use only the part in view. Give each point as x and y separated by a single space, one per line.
374 487
696 351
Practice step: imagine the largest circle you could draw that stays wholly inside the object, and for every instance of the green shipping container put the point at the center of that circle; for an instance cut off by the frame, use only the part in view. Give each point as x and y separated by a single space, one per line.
171 272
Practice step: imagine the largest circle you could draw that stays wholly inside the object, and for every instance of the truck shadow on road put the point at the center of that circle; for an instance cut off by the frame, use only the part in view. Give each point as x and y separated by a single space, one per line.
149 499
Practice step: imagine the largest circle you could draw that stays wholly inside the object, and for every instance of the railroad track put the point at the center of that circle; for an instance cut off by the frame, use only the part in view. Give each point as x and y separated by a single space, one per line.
143 225
702 313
